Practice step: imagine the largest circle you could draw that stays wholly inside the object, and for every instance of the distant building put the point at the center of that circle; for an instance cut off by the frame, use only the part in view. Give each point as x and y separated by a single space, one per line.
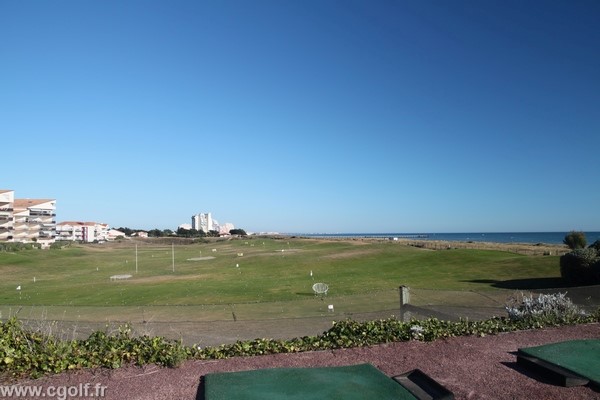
114 234
27 220
187 227
203 222
225 228
7 199
82 231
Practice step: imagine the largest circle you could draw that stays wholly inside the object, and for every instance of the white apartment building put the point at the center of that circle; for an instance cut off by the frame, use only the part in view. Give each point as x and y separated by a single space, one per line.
206 223
82 231
34 221
203 222
225 228
7 199
27 220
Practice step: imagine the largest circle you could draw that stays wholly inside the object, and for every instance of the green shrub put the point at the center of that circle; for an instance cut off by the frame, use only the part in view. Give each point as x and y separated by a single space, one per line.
596 245
27 353
18 246
24 353
581 267
575 240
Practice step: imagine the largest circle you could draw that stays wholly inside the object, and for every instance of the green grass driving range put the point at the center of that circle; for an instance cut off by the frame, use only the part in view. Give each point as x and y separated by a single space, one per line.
269 270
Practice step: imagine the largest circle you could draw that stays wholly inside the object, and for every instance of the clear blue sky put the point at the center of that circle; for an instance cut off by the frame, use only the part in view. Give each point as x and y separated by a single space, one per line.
306 115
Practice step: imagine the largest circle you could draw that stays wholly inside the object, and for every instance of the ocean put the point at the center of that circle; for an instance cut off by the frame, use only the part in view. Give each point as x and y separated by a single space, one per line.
496 237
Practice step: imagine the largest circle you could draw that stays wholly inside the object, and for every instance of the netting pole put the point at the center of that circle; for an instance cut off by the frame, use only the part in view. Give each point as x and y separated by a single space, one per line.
404 299
404 295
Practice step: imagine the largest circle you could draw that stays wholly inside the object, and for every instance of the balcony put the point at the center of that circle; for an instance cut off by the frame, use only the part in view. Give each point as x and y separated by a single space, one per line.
41 213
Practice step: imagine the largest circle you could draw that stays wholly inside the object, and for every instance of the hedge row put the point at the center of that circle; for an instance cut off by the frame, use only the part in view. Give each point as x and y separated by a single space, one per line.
24 353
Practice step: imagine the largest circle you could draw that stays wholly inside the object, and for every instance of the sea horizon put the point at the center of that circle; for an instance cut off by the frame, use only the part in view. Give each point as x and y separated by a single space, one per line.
494 237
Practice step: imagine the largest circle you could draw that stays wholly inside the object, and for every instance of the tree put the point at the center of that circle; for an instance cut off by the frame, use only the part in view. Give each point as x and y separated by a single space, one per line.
240 232
183 232
575 240
189 233
155 233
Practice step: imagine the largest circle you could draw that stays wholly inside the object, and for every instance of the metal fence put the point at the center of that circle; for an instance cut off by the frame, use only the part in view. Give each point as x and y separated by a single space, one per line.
214 324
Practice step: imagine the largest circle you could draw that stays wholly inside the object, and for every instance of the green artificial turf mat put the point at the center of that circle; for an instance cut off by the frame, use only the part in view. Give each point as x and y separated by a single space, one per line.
581 357
360 382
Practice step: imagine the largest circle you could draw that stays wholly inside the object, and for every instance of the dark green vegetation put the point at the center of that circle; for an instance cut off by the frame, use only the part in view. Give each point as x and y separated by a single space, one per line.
575 240
581 266
267 270
26 353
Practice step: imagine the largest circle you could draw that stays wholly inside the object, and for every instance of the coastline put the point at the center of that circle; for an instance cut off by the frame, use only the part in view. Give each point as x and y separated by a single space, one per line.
538 249
551 238
533 249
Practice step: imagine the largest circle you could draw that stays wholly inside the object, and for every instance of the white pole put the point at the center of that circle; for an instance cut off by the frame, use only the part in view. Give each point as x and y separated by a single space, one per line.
136 264
173 252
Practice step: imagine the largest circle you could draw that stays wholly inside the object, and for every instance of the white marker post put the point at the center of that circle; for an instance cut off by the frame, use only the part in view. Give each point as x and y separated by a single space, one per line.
136 260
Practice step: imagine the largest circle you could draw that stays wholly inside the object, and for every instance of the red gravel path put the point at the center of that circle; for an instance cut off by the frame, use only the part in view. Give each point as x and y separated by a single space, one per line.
472 367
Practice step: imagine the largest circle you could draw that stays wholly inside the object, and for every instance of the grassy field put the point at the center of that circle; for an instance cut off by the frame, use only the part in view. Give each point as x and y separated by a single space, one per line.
269 270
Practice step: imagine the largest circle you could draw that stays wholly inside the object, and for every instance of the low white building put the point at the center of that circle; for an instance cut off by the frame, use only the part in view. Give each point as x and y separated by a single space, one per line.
114 234
225 228
82 231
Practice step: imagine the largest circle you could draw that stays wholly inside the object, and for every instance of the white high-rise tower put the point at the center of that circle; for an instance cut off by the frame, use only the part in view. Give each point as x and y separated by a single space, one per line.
202 222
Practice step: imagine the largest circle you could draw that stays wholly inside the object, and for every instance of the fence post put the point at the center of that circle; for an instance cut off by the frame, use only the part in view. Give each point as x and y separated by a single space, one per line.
404 295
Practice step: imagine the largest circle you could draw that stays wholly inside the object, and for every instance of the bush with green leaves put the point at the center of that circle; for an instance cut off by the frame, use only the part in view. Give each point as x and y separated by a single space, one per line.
31 354
581 266
28 353
575 240
595 245
18 246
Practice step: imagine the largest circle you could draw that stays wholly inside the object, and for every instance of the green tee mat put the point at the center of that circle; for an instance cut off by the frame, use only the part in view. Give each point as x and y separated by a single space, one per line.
572 363
355 382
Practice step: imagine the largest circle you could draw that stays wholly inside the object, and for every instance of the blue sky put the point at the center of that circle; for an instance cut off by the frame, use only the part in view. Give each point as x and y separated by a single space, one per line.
305 116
